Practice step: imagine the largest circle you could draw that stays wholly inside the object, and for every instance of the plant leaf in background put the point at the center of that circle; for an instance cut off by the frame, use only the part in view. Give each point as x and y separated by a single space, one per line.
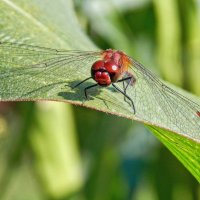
55 26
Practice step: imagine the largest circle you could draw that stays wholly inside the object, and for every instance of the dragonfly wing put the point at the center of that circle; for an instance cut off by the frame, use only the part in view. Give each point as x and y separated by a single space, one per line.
27 69
163 105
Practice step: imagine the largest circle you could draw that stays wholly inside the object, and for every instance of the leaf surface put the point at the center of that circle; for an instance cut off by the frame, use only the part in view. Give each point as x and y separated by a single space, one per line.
24 76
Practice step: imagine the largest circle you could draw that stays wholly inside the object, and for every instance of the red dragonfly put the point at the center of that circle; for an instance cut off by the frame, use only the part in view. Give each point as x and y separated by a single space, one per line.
28 70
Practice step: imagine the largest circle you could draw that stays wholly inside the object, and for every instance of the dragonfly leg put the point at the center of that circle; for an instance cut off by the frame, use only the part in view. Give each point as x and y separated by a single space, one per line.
130 80
87 88
123 92
81 82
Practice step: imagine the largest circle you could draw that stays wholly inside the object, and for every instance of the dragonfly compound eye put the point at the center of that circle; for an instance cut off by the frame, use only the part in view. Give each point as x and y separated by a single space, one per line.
113 69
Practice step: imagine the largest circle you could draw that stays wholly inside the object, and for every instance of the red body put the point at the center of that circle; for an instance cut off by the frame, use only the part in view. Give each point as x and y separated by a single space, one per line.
110 68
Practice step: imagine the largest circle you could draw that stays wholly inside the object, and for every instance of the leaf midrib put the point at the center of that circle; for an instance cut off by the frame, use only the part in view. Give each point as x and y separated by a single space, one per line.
33 19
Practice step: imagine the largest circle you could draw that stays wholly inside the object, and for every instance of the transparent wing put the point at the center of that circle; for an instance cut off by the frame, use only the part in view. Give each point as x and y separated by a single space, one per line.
31 69
162 105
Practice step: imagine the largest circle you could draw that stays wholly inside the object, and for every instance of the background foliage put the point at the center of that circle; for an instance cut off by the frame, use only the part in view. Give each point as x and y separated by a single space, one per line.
94 155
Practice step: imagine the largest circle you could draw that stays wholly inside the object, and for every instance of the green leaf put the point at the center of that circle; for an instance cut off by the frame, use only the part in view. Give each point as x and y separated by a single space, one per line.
53 140
57 27
185 149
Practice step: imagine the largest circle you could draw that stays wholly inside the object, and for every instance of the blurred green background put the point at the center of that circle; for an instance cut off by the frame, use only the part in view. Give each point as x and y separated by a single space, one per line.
58 151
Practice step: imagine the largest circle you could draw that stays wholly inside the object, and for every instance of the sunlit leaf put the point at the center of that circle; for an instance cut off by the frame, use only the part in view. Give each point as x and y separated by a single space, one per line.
21 79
